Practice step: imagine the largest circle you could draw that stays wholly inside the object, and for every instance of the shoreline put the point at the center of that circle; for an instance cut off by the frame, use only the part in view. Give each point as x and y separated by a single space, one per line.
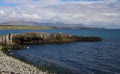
48 69
12 65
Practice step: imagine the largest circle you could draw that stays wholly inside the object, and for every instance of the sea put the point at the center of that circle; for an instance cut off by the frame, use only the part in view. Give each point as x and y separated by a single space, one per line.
75 57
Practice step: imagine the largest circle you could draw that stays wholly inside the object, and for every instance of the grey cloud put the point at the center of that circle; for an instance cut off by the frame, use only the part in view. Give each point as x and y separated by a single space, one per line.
57 11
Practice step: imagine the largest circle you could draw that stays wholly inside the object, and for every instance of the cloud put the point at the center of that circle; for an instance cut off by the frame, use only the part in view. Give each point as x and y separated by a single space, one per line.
80 11
109 1
2 12
16 1
111 14
33 2
30 16
26 16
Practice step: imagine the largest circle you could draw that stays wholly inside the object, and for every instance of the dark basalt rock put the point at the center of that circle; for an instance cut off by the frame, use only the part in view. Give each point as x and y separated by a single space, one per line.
42 37
12 46
17 41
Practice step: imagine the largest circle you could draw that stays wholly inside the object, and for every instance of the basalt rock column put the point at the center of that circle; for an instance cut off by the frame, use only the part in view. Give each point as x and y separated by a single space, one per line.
10 38
6 39
3 39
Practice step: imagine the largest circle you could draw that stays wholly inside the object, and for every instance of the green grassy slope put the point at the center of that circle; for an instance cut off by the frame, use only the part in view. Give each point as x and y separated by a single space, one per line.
2 27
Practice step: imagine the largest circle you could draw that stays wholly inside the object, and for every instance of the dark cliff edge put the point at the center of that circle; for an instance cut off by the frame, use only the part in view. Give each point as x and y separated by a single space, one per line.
15 41
42 37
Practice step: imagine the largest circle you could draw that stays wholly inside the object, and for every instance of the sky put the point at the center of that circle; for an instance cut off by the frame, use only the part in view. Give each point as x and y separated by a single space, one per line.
97 13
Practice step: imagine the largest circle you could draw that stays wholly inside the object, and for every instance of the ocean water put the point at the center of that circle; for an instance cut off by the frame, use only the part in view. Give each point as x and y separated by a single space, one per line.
76 57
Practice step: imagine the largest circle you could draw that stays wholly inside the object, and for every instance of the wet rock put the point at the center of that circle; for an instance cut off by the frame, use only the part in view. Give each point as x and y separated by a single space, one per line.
12 73
12 46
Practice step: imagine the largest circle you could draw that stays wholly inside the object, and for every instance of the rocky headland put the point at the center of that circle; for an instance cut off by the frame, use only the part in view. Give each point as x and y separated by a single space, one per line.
10 65
43 37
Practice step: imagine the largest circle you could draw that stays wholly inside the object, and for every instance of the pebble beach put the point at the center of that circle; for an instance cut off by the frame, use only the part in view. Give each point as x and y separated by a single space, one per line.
10 65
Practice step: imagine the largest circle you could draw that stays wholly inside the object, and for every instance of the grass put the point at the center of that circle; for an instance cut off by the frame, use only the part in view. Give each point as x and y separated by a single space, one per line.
22 27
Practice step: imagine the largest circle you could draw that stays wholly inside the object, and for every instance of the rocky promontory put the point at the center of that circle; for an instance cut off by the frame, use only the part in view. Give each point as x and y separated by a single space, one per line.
43 37
16 40
10 65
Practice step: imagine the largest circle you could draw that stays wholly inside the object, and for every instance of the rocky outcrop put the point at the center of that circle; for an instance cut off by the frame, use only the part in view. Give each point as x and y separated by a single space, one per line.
14 41
42 37
6 39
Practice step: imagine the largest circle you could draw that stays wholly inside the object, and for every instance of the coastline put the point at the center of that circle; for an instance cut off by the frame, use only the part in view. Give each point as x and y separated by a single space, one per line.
12 27
11 65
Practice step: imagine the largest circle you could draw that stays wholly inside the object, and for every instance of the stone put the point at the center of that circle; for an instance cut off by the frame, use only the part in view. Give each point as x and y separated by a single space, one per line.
16 41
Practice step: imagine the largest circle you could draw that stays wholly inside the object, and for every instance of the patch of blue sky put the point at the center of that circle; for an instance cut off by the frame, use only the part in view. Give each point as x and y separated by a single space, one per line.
5 4
81 0
35 0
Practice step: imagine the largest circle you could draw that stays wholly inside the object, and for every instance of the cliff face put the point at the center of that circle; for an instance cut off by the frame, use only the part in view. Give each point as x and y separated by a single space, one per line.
42 37
14 41
30 38
5 39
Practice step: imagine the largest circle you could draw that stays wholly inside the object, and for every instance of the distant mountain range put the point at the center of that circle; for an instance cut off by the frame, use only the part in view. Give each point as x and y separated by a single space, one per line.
30 23
55 25
15 23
